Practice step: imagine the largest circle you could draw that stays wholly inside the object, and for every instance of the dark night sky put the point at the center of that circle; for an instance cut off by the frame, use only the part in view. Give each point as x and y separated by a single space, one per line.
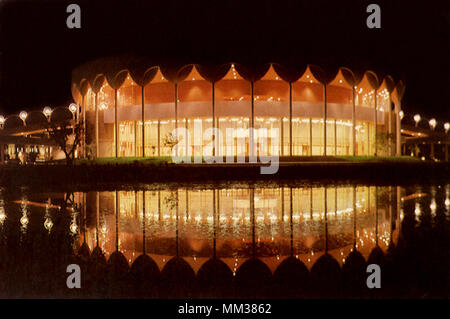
38 51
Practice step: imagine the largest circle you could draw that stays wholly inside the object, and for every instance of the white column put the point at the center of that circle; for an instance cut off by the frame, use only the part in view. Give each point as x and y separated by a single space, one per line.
398 145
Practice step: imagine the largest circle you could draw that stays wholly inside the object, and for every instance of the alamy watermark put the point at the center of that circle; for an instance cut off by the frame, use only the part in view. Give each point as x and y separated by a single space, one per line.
258 145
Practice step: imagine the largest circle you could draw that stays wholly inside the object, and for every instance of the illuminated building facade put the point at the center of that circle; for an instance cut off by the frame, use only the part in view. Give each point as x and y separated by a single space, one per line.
131 110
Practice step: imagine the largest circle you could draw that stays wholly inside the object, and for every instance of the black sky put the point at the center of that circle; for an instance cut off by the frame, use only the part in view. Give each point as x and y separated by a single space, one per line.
38 51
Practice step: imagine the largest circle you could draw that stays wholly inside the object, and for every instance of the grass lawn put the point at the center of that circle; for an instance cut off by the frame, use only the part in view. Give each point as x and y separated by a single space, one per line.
307 159
125 160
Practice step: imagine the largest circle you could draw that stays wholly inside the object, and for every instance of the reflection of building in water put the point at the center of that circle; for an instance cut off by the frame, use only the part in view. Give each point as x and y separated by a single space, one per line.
271 223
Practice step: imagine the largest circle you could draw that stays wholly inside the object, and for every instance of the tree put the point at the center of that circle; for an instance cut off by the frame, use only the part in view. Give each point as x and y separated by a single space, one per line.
383 141
170 140
66 137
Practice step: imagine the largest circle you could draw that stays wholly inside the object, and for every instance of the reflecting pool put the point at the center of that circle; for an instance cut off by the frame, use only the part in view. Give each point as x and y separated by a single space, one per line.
248 241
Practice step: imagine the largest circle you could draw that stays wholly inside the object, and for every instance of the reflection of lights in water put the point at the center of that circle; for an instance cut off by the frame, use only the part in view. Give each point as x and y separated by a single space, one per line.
2 215
48 224
73 228
24 220
417 209
433 206
234 213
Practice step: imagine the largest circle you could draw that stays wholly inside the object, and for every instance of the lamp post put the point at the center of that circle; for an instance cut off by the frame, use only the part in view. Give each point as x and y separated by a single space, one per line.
73 108
432 123
446 127
47 112
417 119
23 116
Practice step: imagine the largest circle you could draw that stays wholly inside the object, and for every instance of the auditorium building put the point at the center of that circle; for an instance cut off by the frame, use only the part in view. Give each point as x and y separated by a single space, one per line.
132 106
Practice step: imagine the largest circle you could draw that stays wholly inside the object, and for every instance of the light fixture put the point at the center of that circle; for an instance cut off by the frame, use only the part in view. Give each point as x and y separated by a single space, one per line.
446 127
103 106
401 115
2 120
23 116
432 123
417 119
47 111
73 107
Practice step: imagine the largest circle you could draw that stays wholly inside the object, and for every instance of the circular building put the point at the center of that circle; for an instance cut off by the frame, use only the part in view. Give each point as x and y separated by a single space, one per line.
132 108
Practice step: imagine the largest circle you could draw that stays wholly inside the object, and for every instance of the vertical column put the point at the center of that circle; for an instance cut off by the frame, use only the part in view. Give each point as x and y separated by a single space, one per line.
135 139
116 127
117 211
390 125
252 125
335 138
290 119
214 221
97 216
354 215
84 125
281 138
176 110
310 137
143 223
176 220
375 121
159 135
376 215
324 119
398 151
325 212
252 218
186 127
354 121
291 224
213 105
143 120
97 146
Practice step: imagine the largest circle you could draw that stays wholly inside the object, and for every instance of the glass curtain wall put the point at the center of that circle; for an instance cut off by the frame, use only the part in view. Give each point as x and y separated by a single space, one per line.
195 113
339 116
159 98
233 109
129 101
233 116
271 103
307 115
105 100
365 130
